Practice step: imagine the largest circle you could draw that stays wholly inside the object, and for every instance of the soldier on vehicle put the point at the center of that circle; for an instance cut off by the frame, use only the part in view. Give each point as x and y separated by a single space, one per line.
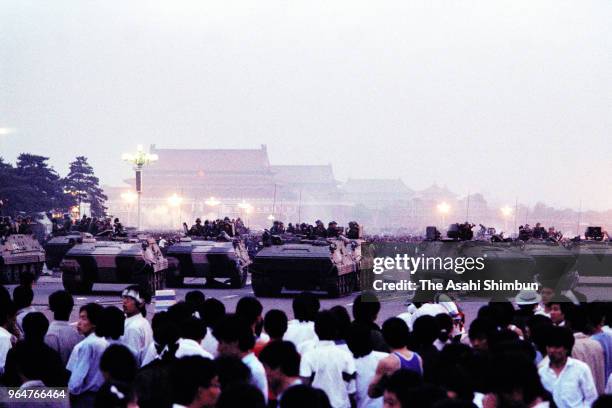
117 227
353 231
332 230
319 229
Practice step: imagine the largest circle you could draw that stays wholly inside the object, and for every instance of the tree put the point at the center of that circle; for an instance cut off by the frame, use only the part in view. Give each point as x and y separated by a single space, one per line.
37 187
83 185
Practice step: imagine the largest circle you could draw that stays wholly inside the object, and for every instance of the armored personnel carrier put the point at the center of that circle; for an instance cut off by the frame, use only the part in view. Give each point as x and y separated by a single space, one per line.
200 258
552 260
131 261
331 265
57 247
497 262
593 253
20 254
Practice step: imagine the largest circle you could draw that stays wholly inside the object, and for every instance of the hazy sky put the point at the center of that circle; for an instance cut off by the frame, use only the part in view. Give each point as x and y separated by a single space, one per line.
510 98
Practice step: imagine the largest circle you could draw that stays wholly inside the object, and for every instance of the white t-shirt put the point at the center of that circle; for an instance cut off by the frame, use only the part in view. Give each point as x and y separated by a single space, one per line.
574 387
137 333
258 373
328 362
210 343
366 368
84 365
188 347
299 332
5 346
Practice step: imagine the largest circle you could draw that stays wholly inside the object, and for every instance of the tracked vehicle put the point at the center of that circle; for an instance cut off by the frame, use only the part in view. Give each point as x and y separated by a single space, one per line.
130 261
200 258
19 255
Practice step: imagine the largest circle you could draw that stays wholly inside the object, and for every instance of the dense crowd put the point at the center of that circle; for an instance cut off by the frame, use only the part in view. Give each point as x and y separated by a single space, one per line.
540 351
19 225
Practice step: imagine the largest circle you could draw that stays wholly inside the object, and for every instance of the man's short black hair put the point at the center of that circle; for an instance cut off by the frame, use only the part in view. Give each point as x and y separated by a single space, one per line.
275 323
425 330
193 328
360 339
366 307
214 311
61 304
241 395
325 325
249 309
304 396
23 296
481 328
283 355
560 337
119 362
35 326
235 329
305 306
188 374
231 370
94 312
395 332
112 324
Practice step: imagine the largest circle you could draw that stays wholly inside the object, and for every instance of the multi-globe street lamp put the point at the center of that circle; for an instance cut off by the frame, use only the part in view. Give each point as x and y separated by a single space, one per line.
139 160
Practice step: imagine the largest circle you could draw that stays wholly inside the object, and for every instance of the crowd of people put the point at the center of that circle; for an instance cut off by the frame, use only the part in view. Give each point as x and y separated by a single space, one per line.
19 225
92 225
540 351
216 228
318 230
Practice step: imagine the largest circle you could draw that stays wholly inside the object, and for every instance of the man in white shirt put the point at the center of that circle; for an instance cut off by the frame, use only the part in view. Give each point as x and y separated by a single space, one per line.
328 366
366 360
192 331
236 339
568 380
61 336
84 362
301 329
23 297
6 337
138 333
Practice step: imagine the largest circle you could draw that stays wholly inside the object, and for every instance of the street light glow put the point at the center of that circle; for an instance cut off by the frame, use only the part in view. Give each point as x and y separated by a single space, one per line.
140 158
129 197
245 206
506 211
271 217
174 200
443 207
212 202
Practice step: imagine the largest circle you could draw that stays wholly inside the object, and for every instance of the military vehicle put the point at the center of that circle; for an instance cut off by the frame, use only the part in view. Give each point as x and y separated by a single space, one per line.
134 260
20 254
57 247
552 260
200 258
332 265
499 263
593 253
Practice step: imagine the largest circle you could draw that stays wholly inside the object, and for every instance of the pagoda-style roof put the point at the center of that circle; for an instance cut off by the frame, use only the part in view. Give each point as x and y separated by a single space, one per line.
210 160
298 174
377 186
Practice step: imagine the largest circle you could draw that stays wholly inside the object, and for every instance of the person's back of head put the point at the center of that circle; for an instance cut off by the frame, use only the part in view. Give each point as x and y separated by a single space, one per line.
189 375
325 325
366 307
604 401
61 304
249 309
359 340
400 383
35 326
114 395
514 373
395 332
165 334
232 370
560 337
214 311
196 299
425 330
118 364
234 330
241 395
343 321
28 357
304 396
23 296
283 355
193 328
112 324
305 306
275 323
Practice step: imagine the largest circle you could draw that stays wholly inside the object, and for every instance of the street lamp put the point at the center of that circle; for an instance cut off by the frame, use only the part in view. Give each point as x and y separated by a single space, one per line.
129 197
139 160
443 209
175 201
247 208
506 213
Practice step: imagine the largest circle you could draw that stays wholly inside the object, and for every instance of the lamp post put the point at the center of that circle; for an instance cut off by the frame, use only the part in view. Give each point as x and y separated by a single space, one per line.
175 201
129 197
443 209
139 160
246 207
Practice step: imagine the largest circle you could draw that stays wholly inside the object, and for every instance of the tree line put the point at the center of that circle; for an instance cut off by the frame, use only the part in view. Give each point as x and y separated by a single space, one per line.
31 185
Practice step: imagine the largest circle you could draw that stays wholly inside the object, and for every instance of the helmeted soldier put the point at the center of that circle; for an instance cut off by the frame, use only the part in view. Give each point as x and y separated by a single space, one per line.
332 230
319 229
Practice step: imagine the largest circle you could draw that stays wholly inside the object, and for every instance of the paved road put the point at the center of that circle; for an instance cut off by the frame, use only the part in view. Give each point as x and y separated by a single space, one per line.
109 295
